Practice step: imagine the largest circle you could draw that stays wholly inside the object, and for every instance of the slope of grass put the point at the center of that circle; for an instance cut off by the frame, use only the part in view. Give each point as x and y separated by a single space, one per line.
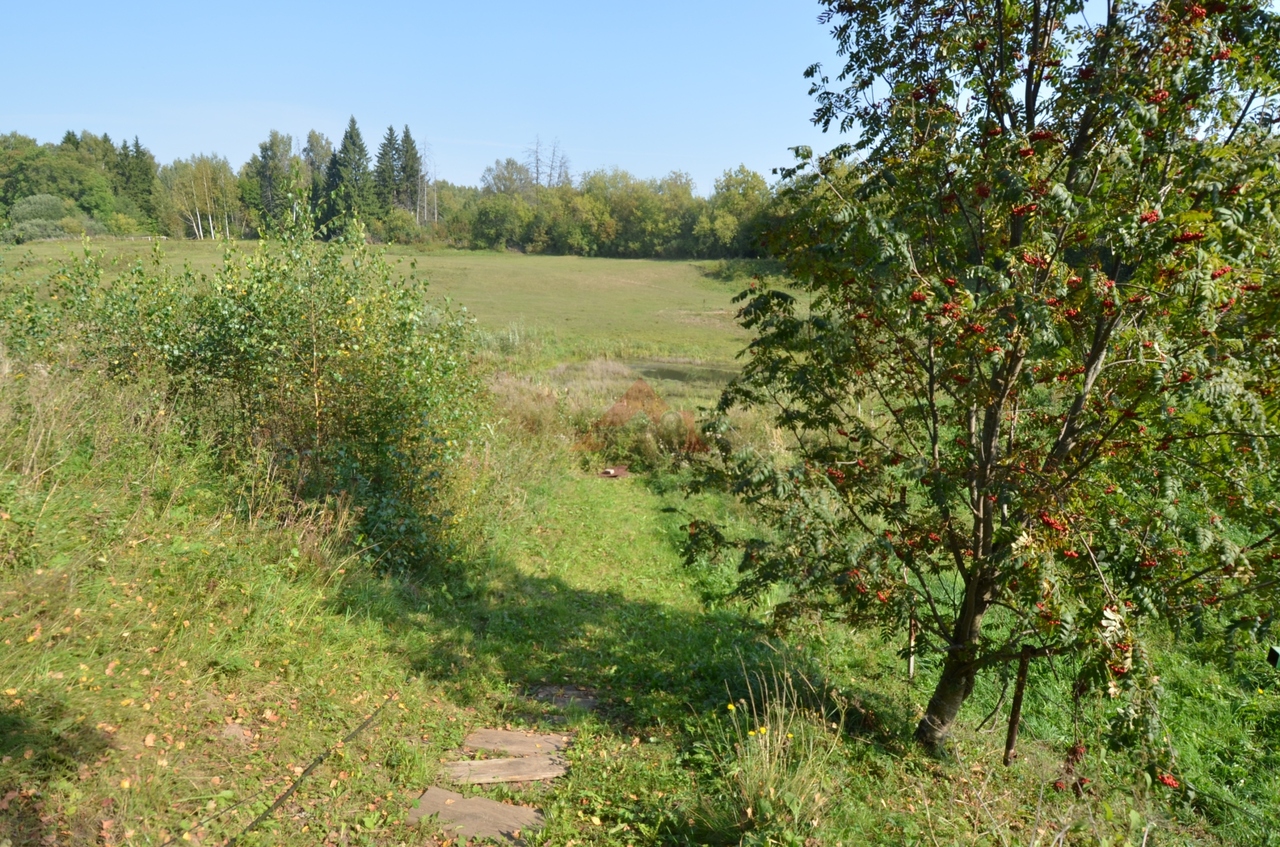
156 606
173 649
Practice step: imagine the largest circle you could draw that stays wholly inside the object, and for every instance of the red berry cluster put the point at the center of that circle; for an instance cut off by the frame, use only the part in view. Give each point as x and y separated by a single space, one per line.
1052 522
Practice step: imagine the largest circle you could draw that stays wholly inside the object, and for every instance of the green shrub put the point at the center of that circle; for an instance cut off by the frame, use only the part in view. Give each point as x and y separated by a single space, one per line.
314 355
33 231
121 224
40 207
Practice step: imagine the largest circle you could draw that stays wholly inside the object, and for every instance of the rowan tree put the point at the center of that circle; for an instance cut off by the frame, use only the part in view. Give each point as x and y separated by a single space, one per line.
1028 362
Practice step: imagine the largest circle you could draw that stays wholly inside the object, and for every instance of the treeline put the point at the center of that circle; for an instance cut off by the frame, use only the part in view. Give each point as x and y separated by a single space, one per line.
86 184
607 213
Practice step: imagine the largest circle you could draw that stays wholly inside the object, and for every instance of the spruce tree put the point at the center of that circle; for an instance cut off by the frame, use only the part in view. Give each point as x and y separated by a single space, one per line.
140 177
410 175
347 181
385 171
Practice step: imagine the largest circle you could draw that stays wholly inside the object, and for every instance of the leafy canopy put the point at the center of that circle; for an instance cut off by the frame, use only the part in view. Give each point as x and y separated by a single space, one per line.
1029 361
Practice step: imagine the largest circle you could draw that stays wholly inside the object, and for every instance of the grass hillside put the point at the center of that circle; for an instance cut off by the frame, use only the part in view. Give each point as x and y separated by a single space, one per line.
183 636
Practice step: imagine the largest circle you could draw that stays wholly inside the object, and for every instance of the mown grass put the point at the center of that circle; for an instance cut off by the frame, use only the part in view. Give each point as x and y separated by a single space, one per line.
154 606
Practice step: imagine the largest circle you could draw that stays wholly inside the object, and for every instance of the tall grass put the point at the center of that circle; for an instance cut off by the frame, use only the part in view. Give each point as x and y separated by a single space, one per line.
772 750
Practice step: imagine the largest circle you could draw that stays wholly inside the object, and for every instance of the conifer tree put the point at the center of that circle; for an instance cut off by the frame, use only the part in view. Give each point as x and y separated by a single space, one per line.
410 174
347 181
385 172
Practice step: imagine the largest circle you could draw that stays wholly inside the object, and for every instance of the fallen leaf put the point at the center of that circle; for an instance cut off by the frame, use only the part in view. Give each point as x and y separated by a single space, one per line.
150 740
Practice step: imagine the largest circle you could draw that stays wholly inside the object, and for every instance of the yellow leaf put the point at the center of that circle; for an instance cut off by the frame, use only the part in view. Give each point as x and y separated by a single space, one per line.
124 783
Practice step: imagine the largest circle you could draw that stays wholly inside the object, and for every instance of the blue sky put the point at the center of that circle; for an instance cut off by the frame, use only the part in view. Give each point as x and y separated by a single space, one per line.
698 86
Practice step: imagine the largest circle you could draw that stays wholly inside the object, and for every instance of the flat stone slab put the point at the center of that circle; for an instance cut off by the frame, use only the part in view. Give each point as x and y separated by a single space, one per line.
566 696
524 769
516 743
475 817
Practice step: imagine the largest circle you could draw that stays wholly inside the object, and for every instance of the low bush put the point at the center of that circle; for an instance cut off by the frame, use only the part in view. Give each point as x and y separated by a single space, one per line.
40 207
32 231
311 356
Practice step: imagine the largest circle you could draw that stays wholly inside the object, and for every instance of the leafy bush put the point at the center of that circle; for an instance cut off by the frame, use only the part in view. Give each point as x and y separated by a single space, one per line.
314 356
32 231
77 226
121 224
40 207
399 227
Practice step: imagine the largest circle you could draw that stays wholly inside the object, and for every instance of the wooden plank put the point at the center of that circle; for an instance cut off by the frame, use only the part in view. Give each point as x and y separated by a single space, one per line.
516 743
486 771
475 817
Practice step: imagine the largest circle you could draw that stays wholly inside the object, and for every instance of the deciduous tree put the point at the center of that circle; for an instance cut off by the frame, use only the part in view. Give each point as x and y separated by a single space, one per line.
1033 387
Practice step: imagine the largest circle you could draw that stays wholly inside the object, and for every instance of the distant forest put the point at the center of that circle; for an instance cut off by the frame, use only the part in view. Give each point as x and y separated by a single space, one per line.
88 184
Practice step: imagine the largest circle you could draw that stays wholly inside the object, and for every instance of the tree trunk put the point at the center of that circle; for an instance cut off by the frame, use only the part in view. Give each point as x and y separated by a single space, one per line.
954 687
958 673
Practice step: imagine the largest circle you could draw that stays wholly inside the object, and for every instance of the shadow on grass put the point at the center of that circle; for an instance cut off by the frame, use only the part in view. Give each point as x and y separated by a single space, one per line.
651 665
39 743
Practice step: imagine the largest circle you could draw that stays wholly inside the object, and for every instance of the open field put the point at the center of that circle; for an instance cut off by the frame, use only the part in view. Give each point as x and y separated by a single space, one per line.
174 656
565 306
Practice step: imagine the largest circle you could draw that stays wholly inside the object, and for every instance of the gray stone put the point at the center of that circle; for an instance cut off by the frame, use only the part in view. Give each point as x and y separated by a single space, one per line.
515 743
486 771
475 817
235 732
566 696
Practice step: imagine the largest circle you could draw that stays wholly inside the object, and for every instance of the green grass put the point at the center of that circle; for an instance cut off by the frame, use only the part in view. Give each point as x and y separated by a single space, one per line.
563 307
150 598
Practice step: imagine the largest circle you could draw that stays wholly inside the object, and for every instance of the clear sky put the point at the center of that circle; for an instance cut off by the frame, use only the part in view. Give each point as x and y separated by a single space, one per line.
698 86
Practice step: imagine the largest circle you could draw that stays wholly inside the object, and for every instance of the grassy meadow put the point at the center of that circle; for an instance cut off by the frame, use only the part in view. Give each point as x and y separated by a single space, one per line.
177 651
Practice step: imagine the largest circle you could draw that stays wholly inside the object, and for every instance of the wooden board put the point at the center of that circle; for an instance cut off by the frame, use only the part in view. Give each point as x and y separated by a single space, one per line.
475 817
516 743
486 771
